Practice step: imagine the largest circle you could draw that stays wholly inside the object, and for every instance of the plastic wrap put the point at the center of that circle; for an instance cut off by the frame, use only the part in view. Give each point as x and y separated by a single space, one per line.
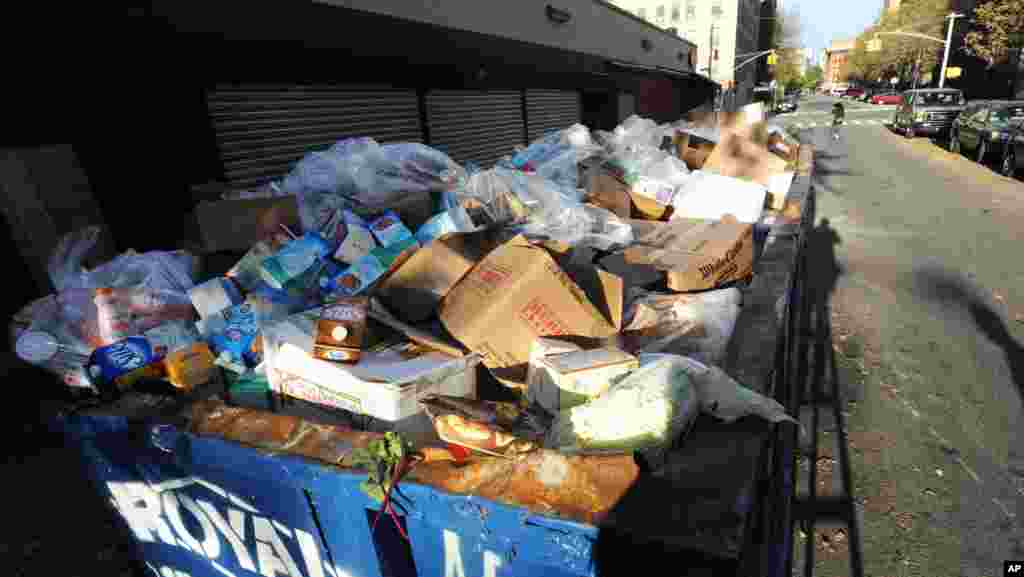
500 429
724 398
155 271
542 209
697 324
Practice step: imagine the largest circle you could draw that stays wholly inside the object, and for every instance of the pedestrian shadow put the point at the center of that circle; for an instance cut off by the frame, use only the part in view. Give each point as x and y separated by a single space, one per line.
823 268
953 289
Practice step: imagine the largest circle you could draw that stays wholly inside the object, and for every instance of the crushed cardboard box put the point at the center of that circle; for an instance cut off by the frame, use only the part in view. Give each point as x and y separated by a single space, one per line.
518 293
693 153
697 254
415 290
607 189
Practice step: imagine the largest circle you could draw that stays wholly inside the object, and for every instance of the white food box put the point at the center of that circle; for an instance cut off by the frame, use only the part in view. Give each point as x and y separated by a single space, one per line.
562 376
711 196
383 384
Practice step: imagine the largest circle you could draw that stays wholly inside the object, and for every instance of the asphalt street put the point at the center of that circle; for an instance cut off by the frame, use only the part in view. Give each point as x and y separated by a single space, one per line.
928 316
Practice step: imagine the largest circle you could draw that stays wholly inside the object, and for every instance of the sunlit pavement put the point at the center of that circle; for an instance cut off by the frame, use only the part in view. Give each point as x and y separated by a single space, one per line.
929 321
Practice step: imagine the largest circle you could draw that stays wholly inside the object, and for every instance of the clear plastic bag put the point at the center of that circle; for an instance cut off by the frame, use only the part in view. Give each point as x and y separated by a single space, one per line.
359 172
156 270
126 296
697 324
722 397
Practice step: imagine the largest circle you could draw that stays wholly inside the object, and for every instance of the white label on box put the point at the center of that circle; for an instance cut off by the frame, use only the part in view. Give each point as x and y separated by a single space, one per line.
358 242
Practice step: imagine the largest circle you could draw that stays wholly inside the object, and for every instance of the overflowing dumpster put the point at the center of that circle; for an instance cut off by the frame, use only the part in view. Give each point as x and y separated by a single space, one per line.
411 366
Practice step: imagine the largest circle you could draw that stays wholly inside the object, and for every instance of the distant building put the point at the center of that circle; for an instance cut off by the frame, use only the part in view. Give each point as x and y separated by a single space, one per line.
838 55
725 32
891 5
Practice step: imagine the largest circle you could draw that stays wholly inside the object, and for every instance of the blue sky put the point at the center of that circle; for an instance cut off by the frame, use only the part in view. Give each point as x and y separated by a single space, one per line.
825 20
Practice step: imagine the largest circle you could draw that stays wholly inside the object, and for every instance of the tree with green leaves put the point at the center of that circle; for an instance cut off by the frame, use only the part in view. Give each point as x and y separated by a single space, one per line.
902 55
786 43
998 29
813 77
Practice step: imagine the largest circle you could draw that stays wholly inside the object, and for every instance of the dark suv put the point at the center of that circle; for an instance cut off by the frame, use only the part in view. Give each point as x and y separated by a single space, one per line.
984 127
928 111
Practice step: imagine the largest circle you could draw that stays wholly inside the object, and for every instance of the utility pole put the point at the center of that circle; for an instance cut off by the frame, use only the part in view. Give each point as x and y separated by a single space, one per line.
711 48
949 41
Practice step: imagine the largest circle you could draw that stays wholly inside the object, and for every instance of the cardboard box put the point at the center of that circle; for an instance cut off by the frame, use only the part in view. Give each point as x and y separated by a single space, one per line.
697 255
415 290
694 154
236 225
711 196
559 379
606 189
518 293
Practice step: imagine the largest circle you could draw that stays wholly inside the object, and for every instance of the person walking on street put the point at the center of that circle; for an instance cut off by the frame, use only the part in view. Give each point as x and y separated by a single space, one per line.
838 116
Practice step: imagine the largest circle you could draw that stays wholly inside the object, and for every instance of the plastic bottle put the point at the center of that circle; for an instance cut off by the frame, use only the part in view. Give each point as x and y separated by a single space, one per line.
44 350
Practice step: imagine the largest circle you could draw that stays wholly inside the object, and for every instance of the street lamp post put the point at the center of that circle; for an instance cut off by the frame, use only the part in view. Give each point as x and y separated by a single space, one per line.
949 41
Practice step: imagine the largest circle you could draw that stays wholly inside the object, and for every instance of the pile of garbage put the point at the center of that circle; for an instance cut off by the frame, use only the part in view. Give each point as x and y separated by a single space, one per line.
595 276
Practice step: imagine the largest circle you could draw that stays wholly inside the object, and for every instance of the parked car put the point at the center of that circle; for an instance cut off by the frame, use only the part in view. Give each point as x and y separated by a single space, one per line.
838 90
853 92
889 97
867 95
984 127
928 111
1013 151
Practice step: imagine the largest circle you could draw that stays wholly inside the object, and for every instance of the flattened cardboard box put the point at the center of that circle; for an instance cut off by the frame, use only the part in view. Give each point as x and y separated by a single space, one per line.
417 288
697 254
236 225
516 294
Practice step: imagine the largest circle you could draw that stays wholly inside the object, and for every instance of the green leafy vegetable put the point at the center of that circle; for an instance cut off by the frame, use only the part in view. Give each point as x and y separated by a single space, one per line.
381 458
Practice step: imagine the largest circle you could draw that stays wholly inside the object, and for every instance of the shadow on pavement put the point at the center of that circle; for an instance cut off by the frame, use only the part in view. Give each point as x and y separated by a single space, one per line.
828 163
823 268
947 287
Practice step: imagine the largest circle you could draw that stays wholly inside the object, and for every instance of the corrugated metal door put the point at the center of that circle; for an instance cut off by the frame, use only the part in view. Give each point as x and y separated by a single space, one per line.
549 110
261 131
474 125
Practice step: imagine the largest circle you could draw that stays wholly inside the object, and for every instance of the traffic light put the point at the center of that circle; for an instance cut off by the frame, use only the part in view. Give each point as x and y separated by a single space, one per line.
716 54
772 59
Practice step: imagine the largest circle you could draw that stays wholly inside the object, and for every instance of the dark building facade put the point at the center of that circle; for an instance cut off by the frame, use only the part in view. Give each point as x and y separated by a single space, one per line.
766 36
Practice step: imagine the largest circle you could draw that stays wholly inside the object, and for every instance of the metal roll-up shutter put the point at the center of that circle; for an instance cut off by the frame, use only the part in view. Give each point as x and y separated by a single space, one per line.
261 131
550 110
475 126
